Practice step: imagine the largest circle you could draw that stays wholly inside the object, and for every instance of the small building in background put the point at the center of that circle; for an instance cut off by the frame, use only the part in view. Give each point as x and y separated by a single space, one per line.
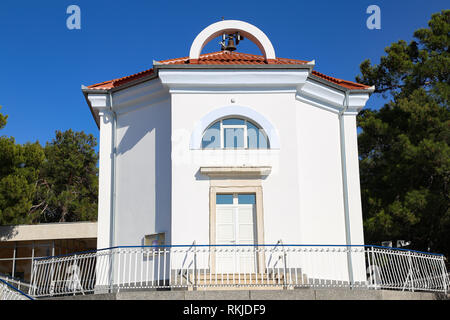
20 244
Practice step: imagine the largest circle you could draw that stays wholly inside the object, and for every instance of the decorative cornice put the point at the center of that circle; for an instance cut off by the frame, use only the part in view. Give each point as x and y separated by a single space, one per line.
332 98
98 101
139 96
236 171
270 79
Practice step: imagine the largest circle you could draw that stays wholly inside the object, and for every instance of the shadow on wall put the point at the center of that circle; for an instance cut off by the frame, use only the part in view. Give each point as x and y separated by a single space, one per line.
200 177
154 120
155 117
7 232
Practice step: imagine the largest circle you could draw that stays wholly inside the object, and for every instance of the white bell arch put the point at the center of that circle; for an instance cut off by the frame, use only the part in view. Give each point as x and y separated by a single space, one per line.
230 26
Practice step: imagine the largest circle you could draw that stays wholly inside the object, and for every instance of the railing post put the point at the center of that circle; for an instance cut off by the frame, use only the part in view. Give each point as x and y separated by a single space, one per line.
410 273
195 268
350 267
111 269
52 285
32 271
285 269
119 253
444 274
33 278
74 278
374 270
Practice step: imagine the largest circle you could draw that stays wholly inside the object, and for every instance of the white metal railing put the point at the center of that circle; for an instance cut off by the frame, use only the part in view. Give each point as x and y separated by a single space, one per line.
17 283
10 292
205 267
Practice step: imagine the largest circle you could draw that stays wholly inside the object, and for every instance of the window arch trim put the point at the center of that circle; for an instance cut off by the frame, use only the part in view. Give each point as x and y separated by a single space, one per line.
230 111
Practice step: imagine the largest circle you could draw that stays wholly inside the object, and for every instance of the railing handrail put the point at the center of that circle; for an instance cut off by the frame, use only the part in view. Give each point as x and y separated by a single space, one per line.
237 245
15 289
273 266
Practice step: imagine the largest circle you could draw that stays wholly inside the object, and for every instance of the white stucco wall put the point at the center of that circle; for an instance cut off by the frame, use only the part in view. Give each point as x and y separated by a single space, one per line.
319 176
158 184
143 173
159 187
302 196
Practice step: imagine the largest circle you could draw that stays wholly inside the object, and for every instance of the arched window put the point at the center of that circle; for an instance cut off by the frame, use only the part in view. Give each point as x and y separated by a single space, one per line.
234 133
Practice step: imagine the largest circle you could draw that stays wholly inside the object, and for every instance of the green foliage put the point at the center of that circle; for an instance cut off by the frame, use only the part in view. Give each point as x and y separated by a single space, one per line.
2 119
404 146
68 184
19 169
58 182
424 63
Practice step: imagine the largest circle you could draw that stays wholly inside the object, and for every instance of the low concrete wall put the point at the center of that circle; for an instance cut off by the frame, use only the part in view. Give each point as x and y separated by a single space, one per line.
297 294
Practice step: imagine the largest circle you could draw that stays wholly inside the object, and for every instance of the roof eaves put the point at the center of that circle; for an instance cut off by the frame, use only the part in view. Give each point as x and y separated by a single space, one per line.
86 91
323 80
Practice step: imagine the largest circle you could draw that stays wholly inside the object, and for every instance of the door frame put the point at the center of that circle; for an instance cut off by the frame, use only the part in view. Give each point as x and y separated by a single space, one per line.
259 216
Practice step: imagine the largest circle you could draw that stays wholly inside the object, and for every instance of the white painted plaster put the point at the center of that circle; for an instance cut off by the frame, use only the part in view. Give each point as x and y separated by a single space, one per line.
230 26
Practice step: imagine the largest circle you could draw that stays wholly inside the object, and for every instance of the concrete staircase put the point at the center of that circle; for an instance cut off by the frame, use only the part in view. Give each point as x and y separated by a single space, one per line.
249 281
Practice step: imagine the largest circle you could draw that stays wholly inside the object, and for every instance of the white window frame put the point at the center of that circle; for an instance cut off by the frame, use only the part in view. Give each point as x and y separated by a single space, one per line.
244 127
232 126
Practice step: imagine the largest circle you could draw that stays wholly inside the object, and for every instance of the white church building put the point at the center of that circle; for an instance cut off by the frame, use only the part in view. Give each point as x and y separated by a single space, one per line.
228 148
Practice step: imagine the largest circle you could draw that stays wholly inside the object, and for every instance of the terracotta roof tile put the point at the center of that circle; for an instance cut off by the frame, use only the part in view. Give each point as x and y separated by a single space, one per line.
225 58
343 83
120 81
232 58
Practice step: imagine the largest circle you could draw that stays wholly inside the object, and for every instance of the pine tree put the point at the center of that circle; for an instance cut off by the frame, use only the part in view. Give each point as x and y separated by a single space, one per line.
404 146
55 183
19 170
68 183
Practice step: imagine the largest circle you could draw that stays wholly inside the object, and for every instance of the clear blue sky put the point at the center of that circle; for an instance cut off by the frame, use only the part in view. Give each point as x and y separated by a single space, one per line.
43 64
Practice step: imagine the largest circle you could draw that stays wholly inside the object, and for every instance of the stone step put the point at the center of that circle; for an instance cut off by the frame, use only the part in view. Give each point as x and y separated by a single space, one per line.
246 279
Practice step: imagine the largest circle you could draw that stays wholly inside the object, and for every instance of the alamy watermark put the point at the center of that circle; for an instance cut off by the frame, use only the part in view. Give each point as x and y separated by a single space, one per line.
374 20
74 20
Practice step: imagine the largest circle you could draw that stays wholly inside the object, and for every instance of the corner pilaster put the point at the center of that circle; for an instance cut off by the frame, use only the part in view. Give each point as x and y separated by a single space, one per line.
100 104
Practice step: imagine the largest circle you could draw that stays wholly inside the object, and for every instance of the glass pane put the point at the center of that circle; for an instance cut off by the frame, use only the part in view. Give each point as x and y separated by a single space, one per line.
233 137
23 251
256 139
263 142
42 249
7 250
233 121
6 267
211 138
246 199
23 269
224 199
252 136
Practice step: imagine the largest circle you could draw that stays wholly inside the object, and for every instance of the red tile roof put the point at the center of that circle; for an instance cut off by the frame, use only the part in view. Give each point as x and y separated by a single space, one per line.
225 58
343 83
120 81
232 58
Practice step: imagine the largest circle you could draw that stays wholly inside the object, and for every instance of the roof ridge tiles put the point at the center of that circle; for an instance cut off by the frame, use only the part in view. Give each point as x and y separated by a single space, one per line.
225 58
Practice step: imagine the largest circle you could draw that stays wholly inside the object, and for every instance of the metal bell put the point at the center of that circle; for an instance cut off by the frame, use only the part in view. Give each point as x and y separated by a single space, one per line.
230 46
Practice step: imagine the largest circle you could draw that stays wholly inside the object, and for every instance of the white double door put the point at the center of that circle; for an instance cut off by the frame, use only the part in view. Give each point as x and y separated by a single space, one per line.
235 225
